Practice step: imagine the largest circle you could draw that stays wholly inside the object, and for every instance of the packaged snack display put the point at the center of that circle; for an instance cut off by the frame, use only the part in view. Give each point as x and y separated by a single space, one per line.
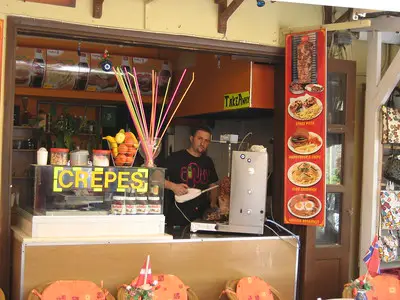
59 156
101 158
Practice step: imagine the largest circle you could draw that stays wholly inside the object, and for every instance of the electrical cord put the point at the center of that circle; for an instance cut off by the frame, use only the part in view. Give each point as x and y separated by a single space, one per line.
240 145
187 219
284 229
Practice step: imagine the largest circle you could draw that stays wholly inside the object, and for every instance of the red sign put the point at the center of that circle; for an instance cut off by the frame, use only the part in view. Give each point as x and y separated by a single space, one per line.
305 128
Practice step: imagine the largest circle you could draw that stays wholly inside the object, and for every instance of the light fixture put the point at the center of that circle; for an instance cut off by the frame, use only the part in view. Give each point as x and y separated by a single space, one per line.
260 3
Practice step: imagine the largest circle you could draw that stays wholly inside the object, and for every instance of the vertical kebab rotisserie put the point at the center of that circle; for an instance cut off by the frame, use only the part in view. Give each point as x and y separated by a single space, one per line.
304 60
221 213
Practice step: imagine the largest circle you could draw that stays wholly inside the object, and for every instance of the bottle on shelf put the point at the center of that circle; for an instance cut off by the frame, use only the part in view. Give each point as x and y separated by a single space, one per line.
83 73
38 69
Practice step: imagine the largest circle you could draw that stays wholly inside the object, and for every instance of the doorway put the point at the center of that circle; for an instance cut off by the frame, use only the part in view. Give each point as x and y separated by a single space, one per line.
327 252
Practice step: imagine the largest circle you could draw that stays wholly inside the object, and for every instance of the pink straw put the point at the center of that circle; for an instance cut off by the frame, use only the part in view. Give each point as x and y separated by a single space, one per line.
140 101
134 98
154 108
170 102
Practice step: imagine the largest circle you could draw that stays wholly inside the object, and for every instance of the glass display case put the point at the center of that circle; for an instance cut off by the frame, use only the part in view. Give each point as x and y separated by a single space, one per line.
70 191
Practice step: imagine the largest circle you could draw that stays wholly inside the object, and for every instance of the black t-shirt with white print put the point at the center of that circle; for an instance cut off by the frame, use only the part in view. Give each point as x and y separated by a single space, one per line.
196 172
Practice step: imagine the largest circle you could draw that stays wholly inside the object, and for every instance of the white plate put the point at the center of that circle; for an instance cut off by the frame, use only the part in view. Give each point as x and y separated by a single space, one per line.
305 217
303 99
289 174
309 86
312 134
190 195
296 92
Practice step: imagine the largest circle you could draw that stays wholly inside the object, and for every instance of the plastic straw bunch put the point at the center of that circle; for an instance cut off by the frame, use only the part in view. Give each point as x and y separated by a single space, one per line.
148 132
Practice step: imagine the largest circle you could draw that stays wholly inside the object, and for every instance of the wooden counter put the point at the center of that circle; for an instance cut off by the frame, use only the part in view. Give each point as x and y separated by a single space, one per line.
203 263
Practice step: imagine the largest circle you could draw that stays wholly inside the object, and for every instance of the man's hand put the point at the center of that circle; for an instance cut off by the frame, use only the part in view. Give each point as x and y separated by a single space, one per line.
180 189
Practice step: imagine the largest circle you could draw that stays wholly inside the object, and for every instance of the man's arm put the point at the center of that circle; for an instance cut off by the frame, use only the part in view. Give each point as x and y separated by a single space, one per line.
178 189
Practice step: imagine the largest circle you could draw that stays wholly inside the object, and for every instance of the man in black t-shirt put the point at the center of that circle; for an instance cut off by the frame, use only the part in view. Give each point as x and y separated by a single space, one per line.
190 168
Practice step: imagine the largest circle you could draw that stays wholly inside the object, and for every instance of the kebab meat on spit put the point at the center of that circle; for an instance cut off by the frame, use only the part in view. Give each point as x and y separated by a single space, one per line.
304 60
221 213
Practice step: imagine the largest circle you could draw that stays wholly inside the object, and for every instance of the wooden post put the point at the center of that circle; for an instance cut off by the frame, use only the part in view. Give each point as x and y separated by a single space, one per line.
370 178
378 91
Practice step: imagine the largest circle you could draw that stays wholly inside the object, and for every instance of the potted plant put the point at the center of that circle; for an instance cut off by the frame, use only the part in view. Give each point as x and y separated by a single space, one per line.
63 128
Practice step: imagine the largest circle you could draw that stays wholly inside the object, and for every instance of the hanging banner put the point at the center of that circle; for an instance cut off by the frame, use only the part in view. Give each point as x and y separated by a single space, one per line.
305 128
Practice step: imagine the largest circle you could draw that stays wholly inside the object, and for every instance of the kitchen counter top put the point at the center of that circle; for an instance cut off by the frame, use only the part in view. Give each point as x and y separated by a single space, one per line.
172 235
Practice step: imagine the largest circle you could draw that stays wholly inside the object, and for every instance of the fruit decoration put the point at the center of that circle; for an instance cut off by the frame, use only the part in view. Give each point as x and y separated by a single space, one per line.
143 288
123 148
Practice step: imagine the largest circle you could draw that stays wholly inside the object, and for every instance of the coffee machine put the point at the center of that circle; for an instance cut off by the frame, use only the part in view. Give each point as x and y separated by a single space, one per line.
249 175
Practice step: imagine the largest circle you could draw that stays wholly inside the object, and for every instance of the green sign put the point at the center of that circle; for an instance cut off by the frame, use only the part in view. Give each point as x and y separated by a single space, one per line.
237 100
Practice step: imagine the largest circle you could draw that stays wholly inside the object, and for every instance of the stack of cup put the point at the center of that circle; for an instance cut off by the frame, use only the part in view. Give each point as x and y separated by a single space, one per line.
42 156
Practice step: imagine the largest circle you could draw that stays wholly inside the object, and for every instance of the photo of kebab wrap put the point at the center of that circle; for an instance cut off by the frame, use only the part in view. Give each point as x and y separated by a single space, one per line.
304 60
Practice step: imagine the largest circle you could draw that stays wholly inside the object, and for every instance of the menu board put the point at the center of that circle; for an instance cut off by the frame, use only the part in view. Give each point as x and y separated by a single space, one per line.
305 128
61 69
99 80
30 66
144 67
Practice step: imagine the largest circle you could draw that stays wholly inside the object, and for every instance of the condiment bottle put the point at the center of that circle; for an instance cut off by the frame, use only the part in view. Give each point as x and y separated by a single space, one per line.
38 69
83 73
154 201
130 202
142 207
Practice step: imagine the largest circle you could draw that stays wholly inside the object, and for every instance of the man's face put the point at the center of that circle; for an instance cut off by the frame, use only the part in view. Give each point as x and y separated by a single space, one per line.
200 141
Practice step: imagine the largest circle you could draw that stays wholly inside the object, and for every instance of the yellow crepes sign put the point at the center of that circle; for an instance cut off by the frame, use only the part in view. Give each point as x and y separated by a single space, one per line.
107 179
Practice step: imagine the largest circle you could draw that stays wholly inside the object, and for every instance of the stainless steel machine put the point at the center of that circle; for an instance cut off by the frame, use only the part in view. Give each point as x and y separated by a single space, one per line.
249 175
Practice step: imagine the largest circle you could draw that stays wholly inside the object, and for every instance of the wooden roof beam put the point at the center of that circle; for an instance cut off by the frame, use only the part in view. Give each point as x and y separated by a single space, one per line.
346 17
225 12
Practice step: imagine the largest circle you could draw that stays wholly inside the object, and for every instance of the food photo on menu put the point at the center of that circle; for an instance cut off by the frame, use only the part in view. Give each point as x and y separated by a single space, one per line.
304 174
305 108
304 142
304 206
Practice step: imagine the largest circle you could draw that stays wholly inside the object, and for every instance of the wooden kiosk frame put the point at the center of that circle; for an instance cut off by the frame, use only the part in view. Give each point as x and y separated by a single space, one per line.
273 258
